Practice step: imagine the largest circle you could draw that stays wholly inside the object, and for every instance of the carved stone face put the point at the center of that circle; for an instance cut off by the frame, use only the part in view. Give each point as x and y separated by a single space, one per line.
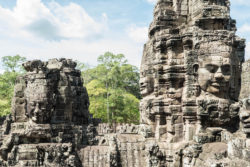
214 75
175 89
146 86
37 112
245 116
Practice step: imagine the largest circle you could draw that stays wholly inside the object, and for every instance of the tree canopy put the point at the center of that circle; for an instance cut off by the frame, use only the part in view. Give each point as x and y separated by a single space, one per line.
13 67
113 87
13 63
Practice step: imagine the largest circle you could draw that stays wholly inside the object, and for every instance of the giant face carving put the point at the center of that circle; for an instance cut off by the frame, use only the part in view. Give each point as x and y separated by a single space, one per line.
146 86
214 75
245 115
37 111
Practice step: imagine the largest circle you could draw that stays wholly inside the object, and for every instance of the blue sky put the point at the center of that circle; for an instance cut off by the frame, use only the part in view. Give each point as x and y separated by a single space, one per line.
84 29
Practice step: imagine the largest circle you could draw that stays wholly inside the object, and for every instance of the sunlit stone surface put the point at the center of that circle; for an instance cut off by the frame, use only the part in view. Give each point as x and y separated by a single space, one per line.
195 110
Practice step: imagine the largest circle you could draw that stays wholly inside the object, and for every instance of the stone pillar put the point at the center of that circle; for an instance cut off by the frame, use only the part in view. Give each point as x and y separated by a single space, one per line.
198 125
189 129
157 126
169 127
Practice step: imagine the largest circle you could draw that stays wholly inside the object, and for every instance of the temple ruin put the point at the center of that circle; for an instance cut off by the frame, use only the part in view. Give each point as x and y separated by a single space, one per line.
195 110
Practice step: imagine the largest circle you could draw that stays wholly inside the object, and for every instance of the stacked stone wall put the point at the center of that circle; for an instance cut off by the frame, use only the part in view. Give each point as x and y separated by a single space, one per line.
190 115
245 80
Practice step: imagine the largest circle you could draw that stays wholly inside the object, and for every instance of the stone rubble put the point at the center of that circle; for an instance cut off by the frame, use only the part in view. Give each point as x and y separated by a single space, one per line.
195 109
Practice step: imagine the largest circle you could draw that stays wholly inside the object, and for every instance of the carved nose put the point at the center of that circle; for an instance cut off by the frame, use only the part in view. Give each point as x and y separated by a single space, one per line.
171 91
218 74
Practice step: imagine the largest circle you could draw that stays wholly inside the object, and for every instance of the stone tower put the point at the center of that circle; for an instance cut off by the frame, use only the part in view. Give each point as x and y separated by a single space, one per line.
191 79
193 112
49 113
191 69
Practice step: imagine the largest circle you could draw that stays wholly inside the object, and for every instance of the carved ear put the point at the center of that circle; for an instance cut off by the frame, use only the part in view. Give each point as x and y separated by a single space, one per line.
195 69
241 103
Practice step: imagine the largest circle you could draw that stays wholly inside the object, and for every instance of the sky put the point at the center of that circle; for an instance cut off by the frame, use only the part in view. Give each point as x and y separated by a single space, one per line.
85 29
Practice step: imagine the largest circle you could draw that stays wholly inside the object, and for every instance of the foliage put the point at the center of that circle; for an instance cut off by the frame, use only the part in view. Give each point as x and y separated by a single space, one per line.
123 105
4 107
13 63
12 66
113 88
7 82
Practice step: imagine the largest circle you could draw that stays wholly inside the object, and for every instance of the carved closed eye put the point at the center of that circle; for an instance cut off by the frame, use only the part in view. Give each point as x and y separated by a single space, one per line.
245 116
226 69
211 68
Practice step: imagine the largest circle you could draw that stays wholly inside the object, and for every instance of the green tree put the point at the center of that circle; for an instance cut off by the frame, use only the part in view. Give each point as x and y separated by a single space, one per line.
113 88
13 63
130 79
4 107
97 94
7 83
13 68
123 105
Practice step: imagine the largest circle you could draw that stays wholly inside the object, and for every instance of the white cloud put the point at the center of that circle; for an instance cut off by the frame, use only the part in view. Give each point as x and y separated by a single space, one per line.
54 22
37 31
74 22
138 34
245 28
240 2
75 49
152 1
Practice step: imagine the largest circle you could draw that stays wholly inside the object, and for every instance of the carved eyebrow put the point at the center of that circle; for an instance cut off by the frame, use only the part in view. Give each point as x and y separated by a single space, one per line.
226 65
244 116
211 67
